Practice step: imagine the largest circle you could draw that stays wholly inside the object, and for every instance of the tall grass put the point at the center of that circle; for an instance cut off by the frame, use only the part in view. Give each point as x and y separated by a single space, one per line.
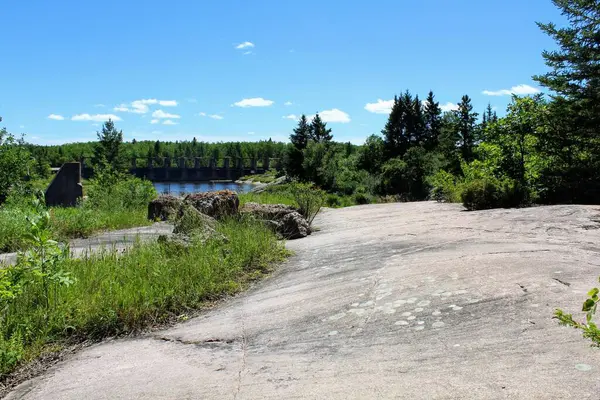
112 203
151 284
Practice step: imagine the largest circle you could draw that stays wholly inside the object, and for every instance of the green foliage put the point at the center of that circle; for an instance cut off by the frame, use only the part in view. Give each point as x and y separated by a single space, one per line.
108 152
362 198
309 200
589 327
444 187
481 194
15 163
114 293
466 128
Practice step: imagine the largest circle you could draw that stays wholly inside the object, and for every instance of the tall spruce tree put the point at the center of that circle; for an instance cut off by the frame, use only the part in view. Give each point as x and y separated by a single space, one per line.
294 157
108 151
571 143
319 131
393 132
433 122
466 128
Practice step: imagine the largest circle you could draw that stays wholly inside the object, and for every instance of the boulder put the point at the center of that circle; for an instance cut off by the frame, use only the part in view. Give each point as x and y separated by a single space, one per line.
215 204
164 208
191 220
294 226
286 221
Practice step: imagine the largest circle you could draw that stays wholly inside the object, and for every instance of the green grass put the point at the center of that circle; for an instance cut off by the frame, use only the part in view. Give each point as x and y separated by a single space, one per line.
267 198
116 294
67 223
267 177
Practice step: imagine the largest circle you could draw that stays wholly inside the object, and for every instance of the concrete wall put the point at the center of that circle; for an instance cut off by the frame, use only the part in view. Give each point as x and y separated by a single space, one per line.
65 189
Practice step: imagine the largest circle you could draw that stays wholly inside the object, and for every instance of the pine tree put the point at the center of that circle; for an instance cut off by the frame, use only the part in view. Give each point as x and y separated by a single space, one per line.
108 150
466 128
302 133
393 132
433 122
418 121
318 130
575 74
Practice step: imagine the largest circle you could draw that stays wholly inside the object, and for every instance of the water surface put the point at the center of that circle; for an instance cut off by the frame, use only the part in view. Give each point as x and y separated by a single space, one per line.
183 188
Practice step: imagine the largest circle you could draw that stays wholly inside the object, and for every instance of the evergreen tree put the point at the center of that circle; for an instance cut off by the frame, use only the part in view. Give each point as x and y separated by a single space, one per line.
433 122
302 133
418 122
466 128
393 132
318 130
294 157
108 151
575 74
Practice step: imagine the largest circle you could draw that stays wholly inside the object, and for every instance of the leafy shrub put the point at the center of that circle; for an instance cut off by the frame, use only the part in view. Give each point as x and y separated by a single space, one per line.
444 187
362 198
309 199
589 328
333 200
481 194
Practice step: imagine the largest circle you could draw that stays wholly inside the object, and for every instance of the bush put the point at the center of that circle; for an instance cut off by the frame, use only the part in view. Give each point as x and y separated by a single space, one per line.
481 194
309 199
444 187
333 200
362 198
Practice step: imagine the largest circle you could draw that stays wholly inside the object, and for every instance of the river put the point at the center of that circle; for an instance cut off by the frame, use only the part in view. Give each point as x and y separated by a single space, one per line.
182 188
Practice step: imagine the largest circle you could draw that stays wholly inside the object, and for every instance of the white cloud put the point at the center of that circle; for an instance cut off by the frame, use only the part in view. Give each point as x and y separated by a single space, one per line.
169 122
213 116
381 107
291 116
288 103
520 90
95 117
448 107
141 106
251 133
121 108
192 100
155 121
161 114
333 115
99 105
254 102
21 126
56 117
247 53
244 45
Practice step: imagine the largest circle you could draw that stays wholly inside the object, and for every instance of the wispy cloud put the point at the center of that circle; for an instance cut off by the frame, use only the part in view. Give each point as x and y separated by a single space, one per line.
161 114
519 90
155 121
213 116
95 117
449 107
288 103
56 117
380 107
293 117
99 105
254 102
247 53
245 45
169 122
334 115
192 100
142 106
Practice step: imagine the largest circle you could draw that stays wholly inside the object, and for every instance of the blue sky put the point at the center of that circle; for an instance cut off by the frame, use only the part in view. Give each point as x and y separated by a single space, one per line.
241 70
